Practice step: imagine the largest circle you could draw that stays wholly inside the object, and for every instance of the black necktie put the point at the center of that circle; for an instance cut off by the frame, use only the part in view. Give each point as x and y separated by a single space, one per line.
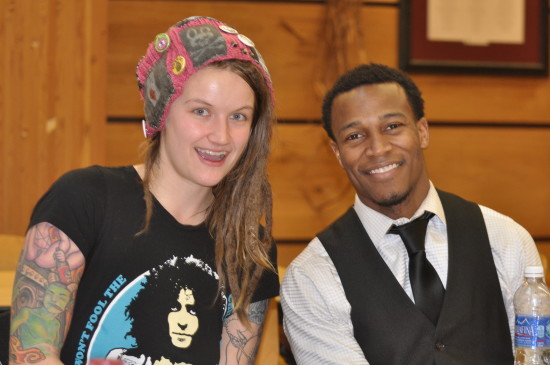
426 286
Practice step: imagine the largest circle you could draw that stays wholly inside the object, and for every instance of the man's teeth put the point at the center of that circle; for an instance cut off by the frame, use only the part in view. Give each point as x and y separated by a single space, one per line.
383 169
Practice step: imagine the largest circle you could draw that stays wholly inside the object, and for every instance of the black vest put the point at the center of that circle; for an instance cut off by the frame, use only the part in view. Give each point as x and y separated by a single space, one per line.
473 325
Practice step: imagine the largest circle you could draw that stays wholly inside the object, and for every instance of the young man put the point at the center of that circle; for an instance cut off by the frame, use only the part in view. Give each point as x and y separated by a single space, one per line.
354 296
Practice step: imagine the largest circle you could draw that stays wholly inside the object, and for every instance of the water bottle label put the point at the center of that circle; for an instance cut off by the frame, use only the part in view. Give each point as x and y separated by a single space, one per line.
532 332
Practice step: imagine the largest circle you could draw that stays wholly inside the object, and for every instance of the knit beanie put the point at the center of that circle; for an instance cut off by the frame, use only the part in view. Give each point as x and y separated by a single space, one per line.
173 57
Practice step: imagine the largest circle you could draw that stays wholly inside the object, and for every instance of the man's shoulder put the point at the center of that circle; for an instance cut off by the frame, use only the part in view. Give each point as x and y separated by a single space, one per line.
312 275
493 214
312 252
342 222
496 221
312 261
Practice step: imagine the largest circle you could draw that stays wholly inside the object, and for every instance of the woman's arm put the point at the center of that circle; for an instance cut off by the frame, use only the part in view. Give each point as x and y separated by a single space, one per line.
240 343
43 295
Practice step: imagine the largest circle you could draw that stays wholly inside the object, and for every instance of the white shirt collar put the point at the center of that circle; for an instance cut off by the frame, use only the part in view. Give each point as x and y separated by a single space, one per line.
377 224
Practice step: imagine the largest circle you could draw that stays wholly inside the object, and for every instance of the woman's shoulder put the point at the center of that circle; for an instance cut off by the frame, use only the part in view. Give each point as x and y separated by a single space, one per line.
99 172
96 177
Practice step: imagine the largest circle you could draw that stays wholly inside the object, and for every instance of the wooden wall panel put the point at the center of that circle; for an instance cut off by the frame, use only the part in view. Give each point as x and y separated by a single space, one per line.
124 141
310 189
289 36
502 168
486 98
52 113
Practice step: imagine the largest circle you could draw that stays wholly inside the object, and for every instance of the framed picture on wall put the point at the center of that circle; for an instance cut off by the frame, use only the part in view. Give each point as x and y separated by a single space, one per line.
472 36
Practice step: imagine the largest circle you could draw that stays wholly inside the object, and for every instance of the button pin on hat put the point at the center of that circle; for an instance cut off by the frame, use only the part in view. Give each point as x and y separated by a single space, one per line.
162 42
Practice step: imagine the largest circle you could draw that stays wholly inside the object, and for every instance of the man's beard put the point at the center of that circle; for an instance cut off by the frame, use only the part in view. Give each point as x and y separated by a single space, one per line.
394 199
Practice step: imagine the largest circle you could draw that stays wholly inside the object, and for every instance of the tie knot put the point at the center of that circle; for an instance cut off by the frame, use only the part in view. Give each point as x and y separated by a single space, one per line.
413 233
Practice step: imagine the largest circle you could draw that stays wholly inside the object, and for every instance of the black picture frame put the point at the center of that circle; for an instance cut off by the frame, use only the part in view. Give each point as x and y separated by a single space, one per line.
418 54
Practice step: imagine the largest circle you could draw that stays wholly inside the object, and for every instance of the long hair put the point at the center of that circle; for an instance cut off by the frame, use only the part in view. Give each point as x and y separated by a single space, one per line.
242 200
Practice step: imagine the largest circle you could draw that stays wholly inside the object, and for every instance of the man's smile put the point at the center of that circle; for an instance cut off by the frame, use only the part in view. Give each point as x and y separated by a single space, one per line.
383 169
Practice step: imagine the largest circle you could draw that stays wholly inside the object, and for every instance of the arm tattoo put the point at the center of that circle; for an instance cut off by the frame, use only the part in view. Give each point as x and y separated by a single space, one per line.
257 311
46 278
245 341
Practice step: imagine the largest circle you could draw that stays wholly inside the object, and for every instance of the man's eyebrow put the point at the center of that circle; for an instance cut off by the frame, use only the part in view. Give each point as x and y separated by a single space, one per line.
348 126
391 115
381 117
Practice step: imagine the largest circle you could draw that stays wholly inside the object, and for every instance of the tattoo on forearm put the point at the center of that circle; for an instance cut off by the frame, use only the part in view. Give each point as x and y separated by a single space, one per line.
245 341
239 340
256 312
43 293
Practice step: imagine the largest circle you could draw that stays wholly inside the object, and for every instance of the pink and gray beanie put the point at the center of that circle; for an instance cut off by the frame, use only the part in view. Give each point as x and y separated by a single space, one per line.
176 55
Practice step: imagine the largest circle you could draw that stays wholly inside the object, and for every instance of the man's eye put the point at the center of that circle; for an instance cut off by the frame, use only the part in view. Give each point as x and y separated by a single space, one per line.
353 136
394 125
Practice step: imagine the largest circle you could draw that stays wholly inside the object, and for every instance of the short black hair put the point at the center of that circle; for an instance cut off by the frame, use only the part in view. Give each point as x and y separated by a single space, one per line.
370 74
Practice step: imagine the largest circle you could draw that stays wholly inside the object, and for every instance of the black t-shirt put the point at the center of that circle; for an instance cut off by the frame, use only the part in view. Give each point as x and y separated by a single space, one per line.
141 296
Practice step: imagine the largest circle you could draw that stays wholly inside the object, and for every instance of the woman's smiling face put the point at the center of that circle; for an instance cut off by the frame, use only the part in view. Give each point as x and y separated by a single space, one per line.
208 127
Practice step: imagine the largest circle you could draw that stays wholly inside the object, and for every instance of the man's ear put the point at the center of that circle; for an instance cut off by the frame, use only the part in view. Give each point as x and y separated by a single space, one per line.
336 151
423 132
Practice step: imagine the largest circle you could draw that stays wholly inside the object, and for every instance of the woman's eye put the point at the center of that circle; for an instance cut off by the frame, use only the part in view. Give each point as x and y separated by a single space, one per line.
239 116
200 112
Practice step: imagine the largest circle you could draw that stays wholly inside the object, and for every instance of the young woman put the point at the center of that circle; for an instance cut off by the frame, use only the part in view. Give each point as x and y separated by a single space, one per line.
102 236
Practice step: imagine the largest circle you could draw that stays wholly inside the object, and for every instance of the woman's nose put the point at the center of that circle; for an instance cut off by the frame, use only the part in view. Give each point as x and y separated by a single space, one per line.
220 133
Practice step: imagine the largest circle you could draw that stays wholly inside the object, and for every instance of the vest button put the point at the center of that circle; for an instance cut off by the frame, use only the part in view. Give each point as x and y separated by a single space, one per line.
440 346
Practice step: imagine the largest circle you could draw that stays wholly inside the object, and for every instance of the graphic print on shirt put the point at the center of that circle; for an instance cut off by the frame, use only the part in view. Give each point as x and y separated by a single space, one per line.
161 317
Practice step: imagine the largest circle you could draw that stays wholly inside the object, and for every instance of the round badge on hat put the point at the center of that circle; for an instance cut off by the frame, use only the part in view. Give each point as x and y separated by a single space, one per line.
228 29
162 42
245 40
179 65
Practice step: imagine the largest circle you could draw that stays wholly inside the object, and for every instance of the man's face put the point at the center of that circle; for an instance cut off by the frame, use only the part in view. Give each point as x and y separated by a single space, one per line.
182 320
380 145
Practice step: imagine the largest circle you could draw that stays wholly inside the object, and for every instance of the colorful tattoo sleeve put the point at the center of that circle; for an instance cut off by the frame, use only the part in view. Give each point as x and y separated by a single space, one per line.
45 284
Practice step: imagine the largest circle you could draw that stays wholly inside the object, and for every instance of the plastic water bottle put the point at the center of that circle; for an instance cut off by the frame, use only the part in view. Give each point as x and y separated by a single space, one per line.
532 333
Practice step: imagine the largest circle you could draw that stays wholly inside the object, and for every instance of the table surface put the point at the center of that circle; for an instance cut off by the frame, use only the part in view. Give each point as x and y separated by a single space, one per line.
6 287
